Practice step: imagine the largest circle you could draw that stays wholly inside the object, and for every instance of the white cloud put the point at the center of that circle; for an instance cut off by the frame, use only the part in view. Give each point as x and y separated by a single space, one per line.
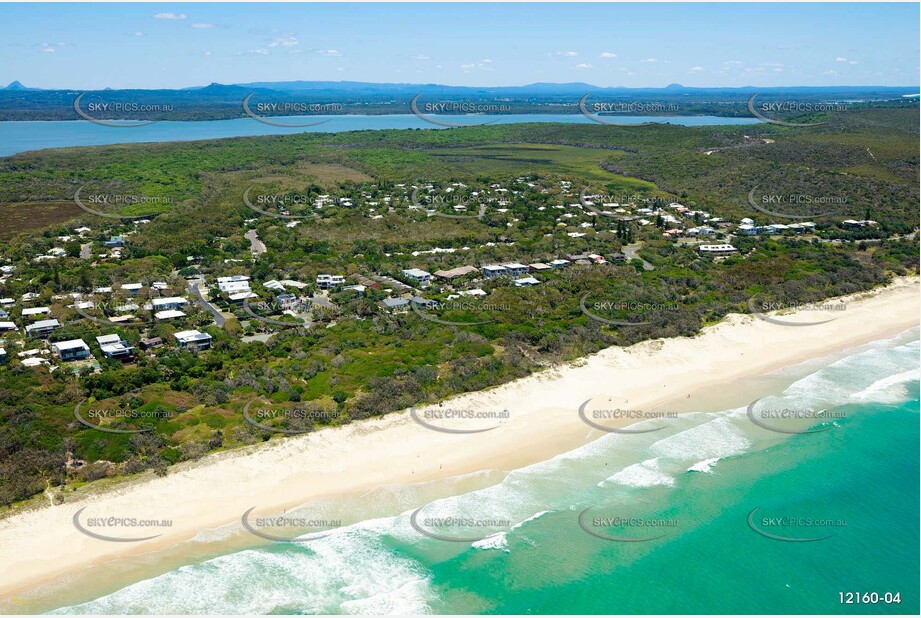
259 52
584 65
568 54
207 53
138 33
733 63
649 60
203 25
421 57
607 55
840 59
170 16
285 41
329 52
696 69
830 73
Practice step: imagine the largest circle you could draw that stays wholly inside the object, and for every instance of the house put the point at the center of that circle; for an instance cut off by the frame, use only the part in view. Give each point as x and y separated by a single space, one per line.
72 350
559 263
368 283
776 228
286 301
239 297
273 285
169 314
169 302
132 288
424 302
33 312
539 267
723 250
114 241
7 326
327 282
113 346
454 273
851 223
150 342
395 305
3 356
42 328
515 269
418 275
747 229
525 282
494 270
193 339
234 284
473 292
617 258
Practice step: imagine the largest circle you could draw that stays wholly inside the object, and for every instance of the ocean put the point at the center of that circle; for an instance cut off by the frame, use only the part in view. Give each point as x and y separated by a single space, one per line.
16 137
711 513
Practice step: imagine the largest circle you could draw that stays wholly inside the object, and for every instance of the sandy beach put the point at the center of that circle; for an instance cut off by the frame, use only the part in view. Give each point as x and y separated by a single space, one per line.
543 420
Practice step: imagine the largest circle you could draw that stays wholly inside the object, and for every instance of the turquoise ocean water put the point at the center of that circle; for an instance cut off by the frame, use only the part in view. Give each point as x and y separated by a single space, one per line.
690 487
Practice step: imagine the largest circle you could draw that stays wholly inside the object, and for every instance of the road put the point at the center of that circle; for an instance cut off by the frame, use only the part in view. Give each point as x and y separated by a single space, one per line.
630 252
195 290
255 245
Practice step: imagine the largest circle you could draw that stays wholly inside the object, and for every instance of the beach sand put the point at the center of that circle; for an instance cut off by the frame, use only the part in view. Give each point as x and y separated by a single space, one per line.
42 545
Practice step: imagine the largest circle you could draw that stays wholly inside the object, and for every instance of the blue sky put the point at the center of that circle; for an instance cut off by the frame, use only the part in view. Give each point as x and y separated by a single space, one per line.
86 46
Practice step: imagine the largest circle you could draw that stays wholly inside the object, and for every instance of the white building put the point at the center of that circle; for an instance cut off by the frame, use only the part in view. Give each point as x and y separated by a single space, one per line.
169 302
42 328
722 250
423 278
326 282
74 349
494 270
193 338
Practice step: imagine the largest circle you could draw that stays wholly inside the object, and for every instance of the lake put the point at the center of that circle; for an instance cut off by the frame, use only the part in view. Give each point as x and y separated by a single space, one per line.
18 137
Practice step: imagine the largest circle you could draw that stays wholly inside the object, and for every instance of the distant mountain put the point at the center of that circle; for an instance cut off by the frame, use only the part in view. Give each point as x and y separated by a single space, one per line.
17 85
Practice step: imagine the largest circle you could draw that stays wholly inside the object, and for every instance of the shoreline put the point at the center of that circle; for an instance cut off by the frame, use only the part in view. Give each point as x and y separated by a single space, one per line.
543 422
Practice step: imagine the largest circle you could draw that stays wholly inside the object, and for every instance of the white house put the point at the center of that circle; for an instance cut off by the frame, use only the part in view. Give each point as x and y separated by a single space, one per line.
42 328
423 278
169 314
113 346
193 338
515 269
326 282
74 349
525 281
33 312
722 250
494 270
169 302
